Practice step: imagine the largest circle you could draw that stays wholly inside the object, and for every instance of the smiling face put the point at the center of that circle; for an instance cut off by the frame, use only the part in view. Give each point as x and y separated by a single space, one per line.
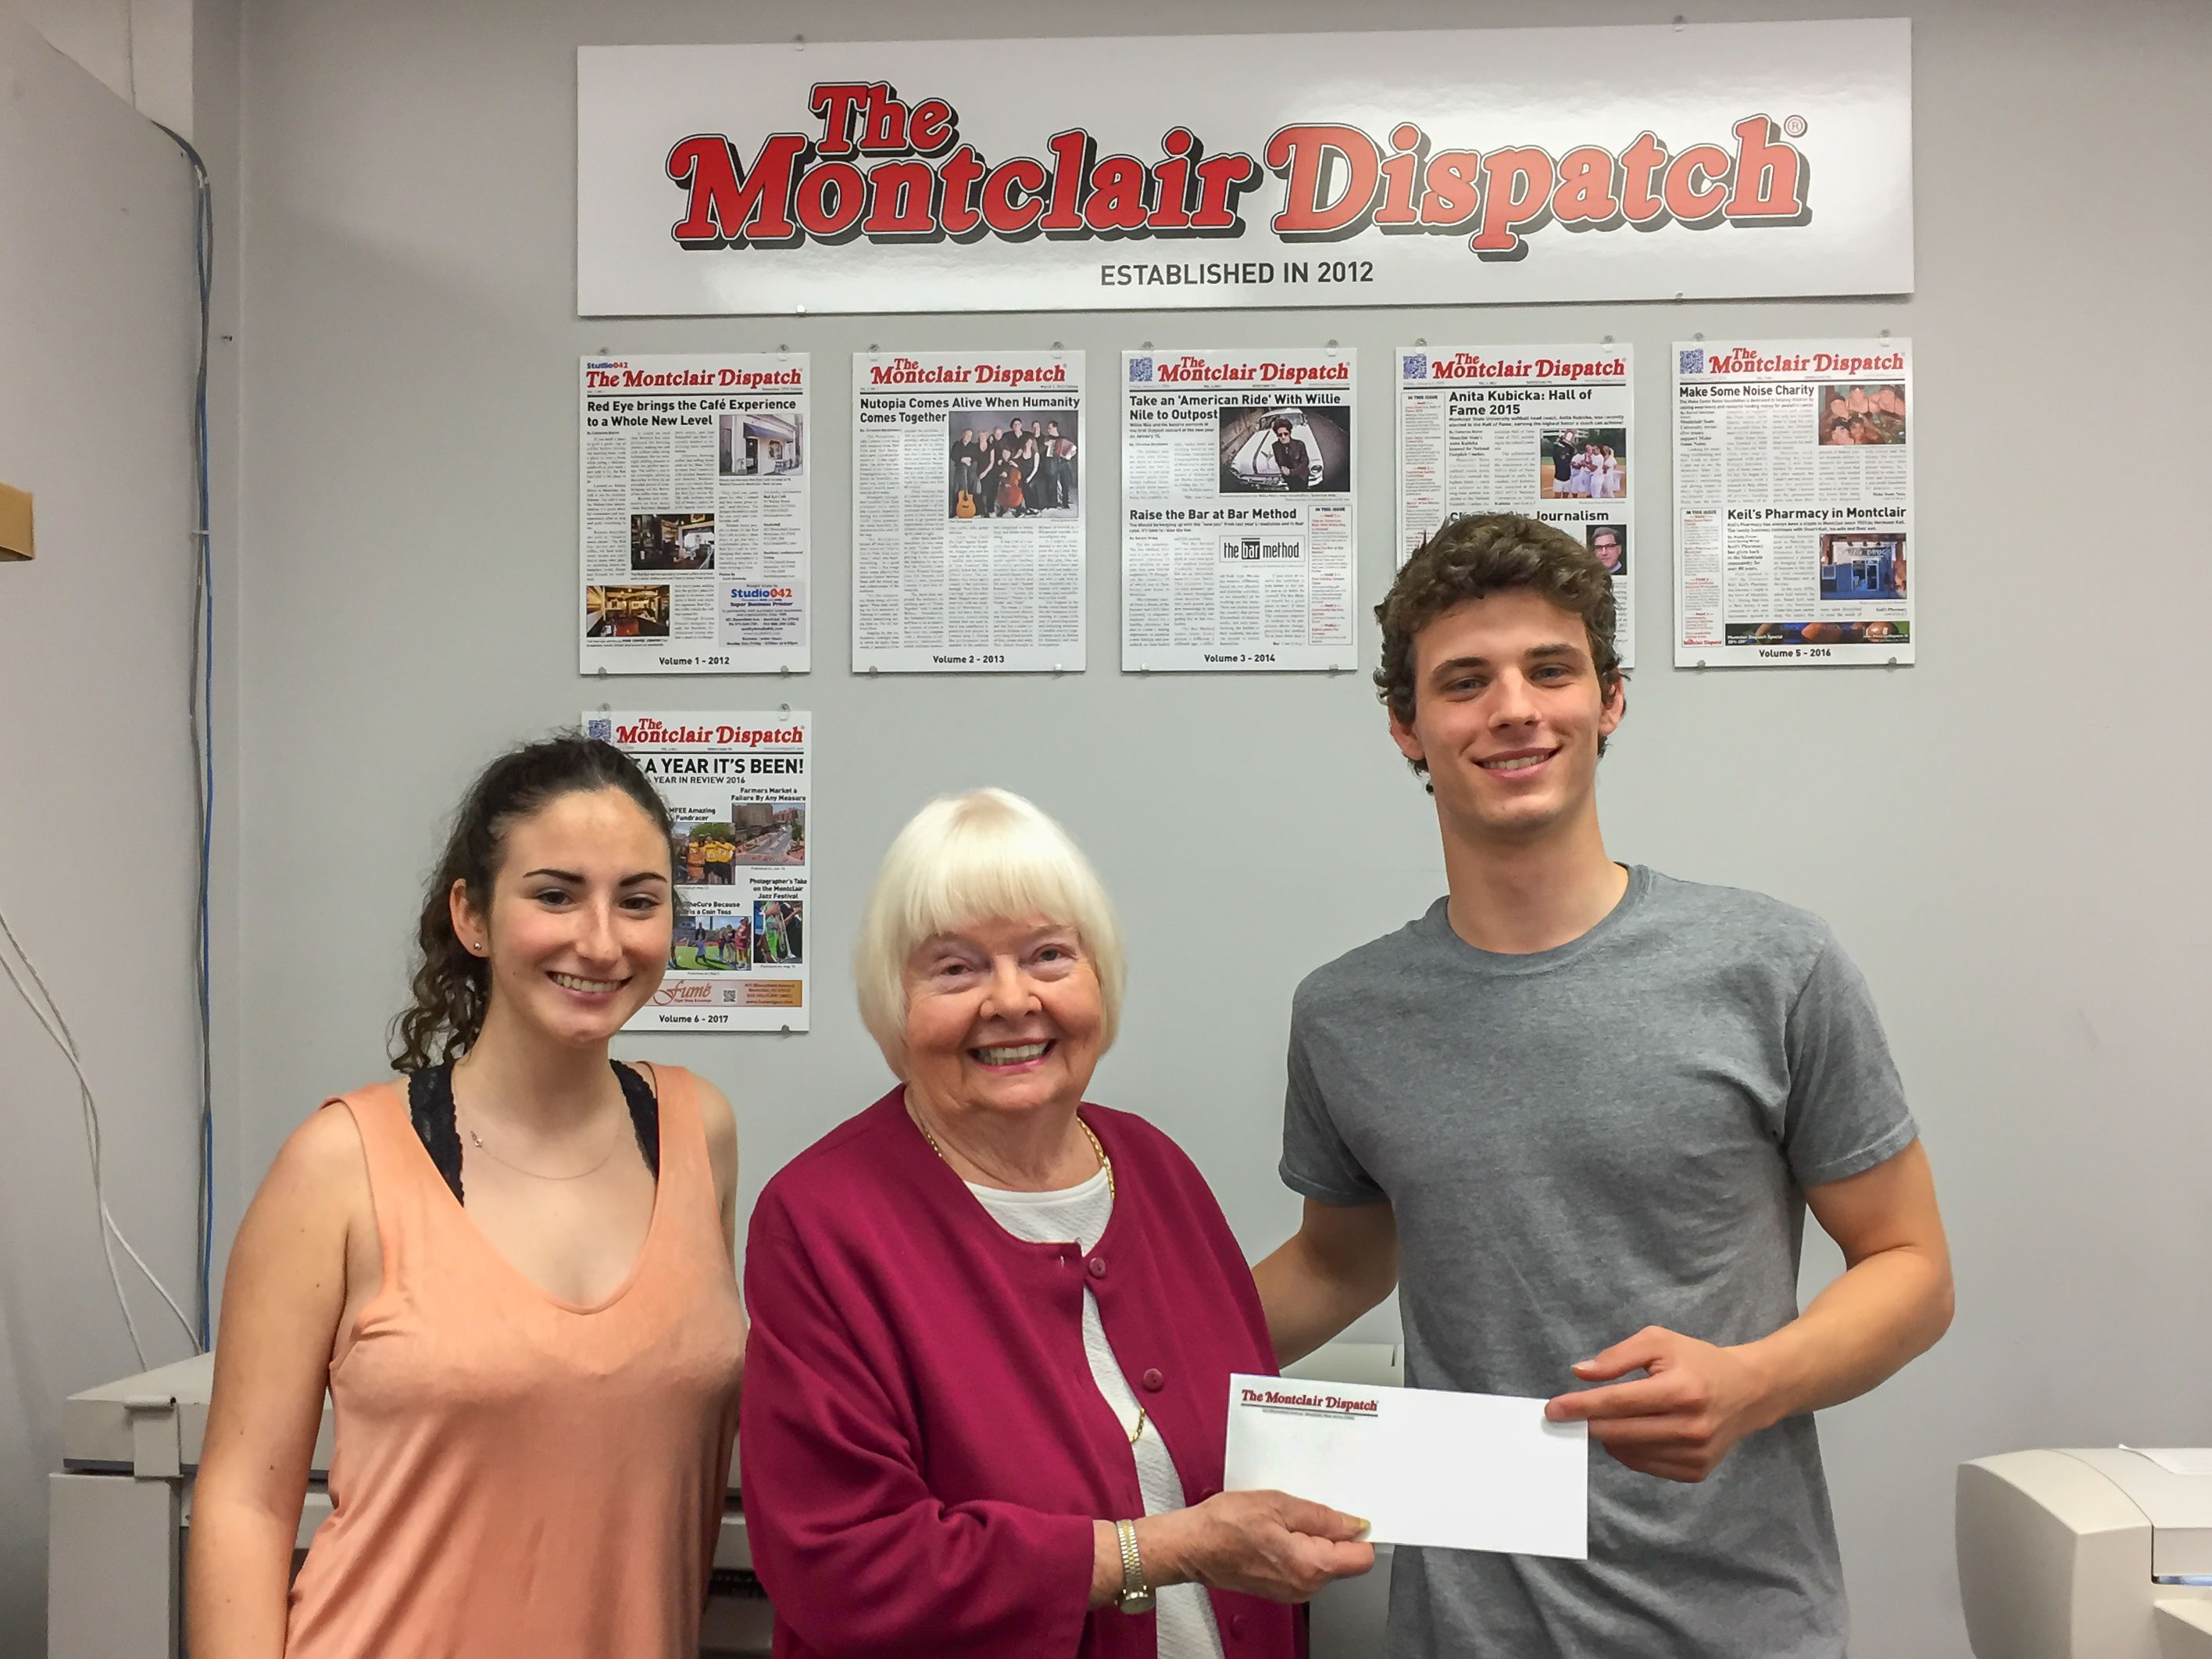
577 930
1002 1015
1507 712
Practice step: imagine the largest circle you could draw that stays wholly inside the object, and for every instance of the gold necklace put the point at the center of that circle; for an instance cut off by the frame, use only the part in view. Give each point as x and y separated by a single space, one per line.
1104 1163
477 1140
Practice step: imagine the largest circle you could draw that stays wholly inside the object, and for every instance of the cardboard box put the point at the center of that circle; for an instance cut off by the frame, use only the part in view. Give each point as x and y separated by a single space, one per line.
15 523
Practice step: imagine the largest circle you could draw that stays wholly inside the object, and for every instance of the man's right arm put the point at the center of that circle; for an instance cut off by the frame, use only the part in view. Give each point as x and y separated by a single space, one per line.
1342 1261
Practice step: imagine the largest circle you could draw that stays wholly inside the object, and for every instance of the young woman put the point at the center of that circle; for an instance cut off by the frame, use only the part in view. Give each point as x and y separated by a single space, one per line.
511 1265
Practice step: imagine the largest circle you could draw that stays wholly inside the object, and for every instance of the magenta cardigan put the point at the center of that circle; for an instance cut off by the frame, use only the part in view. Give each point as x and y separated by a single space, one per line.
924 1450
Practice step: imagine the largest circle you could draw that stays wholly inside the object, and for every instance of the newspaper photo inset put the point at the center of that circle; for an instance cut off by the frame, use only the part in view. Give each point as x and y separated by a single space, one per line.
1793 502
738 797
1238 526
968 493
1541 430
693 520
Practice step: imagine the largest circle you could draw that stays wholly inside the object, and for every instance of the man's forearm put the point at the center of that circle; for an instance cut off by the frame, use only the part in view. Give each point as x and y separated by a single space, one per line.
1696 1401
1870 1323
1310 1294
1304 1309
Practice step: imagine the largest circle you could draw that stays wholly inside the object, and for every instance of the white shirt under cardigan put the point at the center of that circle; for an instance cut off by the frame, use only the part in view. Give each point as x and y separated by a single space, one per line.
1185 1611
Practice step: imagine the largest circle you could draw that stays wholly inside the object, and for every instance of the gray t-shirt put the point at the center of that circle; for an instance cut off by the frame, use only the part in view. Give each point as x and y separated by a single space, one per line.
1578 1143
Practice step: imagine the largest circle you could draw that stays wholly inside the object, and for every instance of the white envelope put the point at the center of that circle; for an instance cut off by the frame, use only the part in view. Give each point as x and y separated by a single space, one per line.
1424 1466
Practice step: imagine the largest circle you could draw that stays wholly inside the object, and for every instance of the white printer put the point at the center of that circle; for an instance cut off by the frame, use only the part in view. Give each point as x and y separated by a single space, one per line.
2105 1553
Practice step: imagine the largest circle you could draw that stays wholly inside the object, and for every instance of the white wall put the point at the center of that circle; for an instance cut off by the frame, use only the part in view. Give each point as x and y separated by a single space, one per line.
98 330
140 50
2008 836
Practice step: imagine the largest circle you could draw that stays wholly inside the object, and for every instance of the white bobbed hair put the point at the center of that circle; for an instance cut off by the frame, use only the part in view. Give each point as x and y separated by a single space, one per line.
976 857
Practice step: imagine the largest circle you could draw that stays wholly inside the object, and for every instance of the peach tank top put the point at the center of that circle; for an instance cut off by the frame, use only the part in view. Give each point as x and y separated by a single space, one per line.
512 1476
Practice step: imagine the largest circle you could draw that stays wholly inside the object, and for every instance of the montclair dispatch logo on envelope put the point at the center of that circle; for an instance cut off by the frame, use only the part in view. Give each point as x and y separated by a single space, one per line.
1306 1403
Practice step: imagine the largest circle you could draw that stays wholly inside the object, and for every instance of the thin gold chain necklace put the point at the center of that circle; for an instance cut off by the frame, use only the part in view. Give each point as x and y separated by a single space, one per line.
477 1140
1105 1162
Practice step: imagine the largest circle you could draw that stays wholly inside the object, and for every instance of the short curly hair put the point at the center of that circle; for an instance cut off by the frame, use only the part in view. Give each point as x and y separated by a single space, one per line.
1472 556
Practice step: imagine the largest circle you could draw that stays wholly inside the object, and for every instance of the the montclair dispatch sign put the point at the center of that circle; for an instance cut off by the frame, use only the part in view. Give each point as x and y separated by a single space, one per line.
1413 169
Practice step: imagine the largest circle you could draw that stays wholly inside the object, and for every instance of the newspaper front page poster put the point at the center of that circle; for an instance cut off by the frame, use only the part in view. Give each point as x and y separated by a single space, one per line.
736 787
968 495
1793 502
1238 531
1541 430
694 515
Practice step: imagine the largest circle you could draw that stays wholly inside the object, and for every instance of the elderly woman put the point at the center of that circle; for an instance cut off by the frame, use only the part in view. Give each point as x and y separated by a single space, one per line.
992 1325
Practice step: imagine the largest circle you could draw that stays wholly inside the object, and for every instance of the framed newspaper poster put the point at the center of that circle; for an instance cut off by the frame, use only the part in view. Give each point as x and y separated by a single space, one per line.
968 495
739 797
1541 430
694 524
1238 529
1794 542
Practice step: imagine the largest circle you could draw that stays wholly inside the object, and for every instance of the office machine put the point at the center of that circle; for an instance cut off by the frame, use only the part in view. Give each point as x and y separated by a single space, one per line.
121 1512
2104 1553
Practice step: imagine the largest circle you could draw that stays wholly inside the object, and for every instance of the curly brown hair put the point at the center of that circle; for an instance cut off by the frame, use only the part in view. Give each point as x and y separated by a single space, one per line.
452 987
1472 556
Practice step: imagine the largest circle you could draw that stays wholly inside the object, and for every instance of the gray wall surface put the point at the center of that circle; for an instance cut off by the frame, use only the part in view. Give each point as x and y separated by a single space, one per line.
97 329
2003 836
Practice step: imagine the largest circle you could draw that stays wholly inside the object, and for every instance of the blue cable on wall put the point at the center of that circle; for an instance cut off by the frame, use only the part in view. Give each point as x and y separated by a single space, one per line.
200 698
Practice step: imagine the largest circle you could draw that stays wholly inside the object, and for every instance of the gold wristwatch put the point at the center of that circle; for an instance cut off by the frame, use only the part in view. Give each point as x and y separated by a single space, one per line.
1136 1595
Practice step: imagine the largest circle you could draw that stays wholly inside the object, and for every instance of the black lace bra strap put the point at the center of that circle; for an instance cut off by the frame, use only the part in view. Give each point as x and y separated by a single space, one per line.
430 1106
644 1114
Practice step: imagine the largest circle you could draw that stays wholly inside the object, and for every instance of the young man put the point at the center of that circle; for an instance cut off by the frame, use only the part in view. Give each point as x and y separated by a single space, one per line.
1576 1114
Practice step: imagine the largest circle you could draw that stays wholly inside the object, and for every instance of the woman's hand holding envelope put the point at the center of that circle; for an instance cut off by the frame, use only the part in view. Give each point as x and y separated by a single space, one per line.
1255 1543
